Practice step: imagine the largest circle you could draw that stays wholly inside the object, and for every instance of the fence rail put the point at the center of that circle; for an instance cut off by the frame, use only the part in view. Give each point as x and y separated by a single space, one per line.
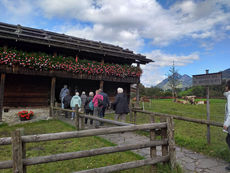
200 121
135 110
19 161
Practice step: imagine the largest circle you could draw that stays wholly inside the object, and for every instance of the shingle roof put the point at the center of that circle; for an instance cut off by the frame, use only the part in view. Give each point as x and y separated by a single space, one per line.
39 36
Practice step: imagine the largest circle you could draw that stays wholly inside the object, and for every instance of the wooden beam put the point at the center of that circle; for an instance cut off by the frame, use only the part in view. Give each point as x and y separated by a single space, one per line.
77 118
124 166
63 74
171 142
164 148
2 86
17 152
87 153
84 133
52 95
92 152
138 90
153 150
200 121
101 84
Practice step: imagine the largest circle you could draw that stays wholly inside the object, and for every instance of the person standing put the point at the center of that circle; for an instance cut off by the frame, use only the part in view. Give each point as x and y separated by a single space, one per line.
105 103
62 94
97 103
120 105
83 100
227 116
66 102
76 100
88 109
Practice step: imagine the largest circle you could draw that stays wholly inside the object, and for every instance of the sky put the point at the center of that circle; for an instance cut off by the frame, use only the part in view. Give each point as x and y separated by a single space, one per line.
194 34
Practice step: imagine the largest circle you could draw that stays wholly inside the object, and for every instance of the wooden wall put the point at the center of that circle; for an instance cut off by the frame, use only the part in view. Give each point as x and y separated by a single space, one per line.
111 89
22 90
26 90
90 85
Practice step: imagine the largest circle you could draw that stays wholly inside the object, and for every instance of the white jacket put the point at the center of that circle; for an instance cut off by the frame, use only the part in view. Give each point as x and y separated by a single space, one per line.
227 109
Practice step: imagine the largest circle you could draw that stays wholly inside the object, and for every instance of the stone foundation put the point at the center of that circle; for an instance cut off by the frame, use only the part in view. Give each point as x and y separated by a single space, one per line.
11 117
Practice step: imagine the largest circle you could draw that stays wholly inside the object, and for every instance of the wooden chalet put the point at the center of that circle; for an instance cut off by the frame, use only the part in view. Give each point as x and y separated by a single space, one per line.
35 64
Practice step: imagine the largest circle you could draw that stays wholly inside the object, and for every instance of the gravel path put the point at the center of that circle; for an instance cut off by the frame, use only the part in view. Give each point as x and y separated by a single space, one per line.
191 161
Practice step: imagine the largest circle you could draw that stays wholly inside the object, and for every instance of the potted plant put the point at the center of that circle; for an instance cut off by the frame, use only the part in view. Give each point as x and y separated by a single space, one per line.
25 115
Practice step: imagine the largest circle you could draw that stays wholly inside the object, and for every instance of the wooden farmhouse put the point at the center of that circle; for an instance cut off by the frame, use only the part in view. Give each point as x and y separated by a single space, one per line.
35 64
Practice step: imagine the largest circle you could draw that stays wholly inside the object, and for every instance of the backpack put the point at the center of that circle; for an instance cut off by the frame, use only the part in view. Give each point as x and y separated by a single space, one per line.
100 102
91 107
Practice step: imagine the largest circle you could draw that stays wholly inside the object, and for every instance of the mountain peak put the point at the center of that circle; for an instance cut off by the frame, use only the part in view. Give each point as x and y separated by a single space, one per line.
185 82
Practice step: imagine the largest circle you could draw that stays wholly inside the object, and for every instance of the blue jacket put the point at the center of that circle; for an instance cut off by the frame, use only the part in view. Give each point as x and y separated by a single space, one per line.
105 99
63 92
75 100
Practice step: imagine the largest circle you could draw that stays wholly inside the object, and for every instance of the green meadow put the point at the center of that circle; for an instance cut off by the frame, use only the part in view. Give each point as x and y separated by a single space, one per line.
68 145
193 135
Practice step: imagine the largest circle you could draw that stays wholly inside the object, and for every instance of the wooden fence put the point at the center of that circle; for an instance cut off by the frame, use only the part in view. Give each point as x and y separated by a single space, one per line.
135 110
19 161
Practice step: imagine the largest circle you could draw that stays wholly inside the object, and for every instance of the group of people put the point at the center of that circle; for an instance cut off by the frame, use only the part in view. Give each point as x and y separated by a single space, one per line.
95 104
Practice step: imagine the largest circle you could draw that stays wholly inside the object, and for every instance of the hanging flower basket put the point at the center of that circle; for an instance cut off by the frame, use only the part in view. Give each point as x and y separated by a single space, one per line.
25 115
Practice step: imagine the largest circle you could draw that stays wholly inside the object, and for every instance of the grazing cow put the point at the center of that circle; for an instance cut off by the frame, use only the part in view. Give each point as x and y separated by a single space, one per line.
182 101
145 99
191 99
200 102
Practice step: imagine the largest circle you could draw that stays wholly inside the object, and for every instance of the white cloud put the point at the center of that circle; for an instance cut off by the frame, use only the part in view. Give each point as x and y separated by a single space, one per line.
151 72
132 20
162 59
227 27
151 75
17 12
124 38
129 22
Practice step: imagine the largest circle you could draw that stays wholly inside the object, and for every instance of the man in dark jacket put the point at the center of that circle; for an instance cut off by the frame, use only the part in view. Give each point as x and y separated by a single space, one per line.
66 102
88 110
105 103
120 105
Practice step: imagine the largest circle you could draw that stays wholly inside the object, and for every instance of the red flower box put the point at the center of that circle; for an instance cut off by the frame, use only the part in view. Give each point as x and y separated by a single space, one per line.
25 115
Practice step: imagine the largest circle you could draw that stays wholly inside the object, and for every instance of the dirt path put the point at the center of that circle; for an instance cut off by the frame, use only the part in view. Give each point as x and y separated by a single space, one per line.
191 161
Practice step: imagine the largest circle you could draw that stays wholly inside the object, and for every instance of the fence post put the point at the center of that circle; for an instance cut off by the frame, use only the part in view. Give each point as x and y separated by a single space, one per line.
17 152
82 123
55 111
77 122
164 136
171 142
153 151
135 117
131 113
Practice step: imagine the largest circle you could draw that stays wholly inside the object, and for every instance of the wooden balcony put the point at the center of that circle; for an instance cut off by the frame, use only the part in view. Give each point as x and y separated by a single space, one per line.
62 74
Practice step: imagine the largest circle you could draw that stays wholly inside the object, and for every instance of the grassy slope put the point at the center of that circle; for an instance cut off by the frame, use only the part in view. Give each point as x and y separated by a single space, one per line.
68 145
192 135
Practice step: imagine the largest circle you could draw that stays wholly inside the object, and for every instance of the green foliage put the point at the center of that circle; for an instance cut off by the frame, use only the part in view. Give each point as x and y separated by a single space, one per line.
198 91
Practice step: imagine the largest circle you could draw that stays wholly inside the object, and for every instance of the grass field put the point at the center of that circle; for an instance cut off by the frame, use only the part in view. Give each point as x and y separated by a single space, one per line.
192 135
67 145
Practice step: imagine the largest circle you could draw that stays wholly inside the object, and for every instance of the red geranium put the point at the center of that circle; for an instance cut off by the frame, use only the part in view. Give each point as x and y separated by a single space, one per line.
26 114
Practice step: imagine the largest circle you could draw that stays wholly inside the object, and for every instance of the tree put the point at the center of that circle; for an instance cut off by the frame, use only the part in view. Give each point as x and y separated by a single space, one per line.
174 81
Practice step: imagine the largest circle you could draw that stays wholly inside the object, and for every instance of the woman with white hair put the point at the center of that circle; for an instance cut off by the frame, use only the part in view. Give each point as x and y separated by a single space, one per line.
120 105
